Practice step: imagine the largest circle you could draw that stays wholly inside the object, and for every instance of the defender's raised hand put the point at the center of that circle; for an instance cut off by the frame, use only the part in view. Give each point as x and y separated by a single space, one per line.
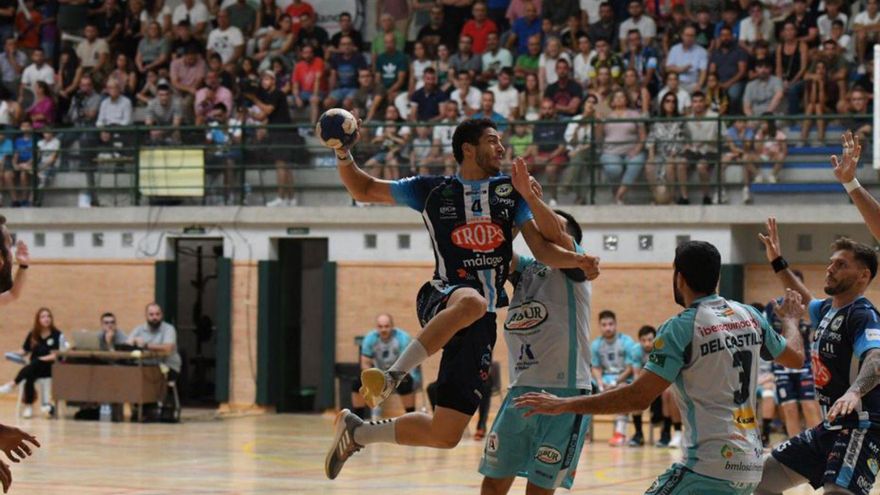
771 240
845 166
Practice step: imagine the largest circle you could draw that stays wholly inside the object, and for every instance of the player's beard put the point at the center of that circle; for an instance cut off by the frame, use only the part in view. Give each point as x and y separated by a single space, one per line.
487 162
832 289
676 294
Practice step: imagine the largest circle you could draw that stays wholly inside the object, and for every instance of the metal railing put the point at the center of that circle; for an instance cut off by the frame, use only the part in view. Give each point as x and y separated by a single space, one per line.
182 165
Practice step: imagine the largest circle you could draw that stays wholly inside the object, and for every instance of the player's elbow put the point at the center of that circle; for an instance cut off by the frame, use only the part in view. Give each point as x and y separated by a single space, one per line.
793 358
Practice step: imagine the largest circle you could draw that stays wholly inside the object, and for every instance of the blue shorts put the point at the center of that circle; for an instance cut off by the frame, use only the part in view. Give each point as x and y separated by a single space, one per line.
679 480
797 386
609 378
340 94
543 449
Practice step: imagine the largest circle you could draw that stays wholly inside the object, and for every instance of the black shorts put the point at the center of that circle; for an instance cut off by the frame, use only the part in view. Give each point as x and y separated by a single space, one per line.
694 157
846 457
797 386
406 387
467 357
657 410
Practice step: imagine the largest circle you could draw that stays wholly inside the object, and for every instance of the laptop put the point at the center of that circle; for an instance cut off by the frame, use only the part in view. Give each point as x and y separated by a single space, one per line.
87 340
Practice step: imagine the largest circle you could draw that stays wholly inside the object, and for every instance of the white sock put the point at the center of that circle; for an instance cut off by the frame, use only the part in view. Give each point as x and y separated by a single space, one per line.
375 432
412 356
620 425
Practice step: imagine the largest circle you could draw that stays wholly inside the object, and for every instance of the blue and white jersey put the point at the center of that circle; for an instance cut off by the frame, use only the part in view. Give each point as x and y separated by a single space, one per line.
471 224
805 328
384 353
842 338
615 355
548 328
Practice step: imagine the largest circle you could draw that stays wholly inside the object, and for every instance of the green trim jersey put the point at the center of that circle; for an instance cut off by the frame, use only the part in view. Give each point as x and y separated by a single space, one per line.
614 356
548 328
711 352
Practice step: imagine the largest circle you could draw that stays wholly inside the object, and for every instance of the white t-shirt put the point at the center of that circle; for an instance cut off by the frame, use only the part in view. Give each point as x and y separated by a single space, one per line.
443 136
582 67
472 99
684 98
646 26
401 101
592 9
864 19
47 147
146 18
32 74
549 65
505 100
824 24
197 15
224 42
418 70
748 32
497 61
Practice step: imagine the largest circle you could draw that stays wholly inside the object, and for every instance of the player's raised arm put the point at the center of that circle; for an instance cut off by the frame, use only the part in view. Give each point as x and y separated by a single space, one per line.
552 255
773 250
790 312
545 218
362 186
23 258
845 172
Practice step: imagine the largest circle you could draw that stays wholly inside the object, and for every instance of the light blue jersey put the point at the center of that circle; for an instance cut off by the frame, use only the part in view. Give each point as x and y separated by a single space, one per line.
614 356
384 353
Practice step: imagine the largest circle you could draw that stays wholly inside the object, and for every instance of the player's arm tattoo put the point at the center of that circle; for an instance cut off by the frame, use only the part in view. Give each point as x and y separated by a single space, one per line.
869 374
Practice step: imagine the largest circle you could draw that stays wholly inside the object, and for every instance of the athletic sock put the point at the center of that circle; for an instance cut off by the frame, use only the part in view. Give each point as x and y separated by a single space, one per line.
620 425
375 432
765 427
666 431
412 356
637 422
677 426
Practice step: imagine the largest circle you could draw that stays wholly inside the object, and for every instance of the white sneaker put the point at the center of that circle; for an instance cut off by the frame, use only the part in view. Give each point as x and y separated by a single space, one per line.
747 195
552 203
772 179
7 388
27 412
720 199
46 411
277 202
292 202
675 443
759 179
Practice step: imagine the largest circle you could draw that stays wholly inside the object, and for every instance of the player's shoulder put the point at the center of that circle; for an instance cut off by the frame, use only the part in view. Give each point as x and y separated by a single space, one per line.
682 323
370 336
862 310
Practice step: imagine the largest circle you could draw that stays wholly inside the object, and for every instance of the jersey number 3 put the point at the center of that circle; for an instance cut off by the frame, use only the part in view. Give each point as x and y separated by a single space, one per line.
743 360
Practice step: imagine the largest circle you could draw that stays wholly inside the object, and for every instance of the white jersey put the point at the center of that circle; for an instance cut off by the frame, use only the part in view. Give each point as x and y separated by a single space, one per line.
548 328
711 352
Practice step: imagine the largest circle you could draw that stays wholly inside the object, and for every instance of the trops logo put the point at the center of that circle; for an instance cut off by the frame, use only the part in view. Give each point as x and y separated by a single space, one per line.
480 236
526 316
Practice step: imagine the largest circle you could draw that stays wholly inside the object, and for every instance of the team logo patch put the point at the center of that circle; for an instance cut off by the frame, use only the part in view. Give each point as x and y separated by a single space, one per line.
728 451
659 343
658 359
744 418
872 333
50 342
548 455
526 316
836 322
479 236
504 190
873 465
492 443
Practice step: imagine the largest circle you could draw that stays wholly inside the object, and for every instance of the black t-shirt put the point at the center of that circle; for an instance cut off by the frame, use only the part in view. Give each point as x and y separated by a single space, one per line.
563 94
316 38
280 113
44 346
6 20
803 26
443 35
178 46
705 35
355 36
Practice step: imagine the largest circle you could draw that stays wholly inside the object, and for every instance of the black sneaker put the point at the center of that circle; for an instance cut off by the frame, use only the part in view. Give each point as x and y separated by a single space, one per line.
682 201
637 440
707 200
344 445
662 443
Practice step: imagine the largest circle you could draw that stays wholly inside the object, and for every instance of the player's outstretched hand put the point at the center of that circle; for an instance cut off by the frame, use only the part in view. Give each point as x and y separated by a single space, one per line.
589 265
847 403
541 403
771 240
21 253
791 306
13 442
521 179
5 476
357 137
845 166
537 188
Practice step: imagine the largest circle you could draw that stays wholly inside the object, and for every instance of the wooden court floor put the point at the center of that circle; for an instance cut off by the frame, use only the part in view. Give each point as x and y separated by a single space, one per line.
276 454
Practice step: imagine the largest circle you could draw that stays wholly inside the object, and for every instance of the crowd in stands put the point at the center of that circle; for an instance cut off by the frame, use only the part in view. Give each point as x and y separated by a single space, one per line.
570 64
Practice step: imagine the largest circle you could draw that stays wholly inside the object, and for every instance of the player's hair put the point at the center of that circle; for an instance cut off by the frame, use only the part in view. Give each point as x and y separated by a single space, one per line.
388 315
108 314
36 330
698 94
429 70
607 313
469 132
5 257
504 70
699 263
863 253
647 329
759 306
572 228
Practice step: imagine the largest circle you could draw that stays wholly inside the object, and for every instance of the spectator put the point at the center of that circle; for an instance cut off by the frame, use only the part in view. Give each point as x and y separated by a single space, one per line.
392 139
83 113
371 98
832 13
124 74
494 59
487 111
606 59
579 136
518 9
42 343
242 16
18 180
547 62
465 60
445 74
344 67
8 177
310 34
666 150
187 74
158 11
821 93
528 63
277 43
702 132
644 60
116 108
111 336
428 98
791 65
583 61
605 28
804 21
603 88
12 63
638 20
524 29
49 149
623 144
771 147
183 40
638 96
42 111
38 71
465 95
565 94
549 138
72 16
479 27
67 79
442 138
132 31
764 94
195 12
420 152
392 66
861 124
521 144
572 32
843 40
558 12
93 52
673 29
153 51
705 28
730 19
346 28
866 27
209 95
730 62
272 104
163 111
158 335
226 40
506 96
437 32
109 20
755 27
417 67
836 66
688 60
223 137
716 97
740 142
296 9
673 86
761 53
530 99
309 85
381 39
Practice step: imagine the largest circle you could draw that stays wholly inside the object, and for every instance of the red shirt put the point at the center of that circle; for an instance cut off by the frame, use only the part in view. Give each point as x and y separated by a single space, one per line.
304 74
479 33
29 30
294 11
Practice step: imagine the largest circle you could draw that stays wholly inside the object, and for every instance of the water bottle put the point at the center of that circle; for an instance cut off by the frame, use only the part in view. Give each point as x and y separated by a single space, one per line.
106 413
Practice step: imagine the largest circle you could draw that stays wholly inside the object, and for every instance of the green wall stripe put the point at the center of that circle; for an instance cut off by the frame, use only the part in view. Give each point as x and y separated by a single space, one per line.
732 284
224 329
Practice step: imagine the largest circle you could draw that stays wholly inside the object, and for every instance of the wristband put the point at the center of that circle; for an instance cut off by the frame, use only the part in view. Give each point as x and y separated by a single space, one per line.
23 267
779 264
344 155
852 185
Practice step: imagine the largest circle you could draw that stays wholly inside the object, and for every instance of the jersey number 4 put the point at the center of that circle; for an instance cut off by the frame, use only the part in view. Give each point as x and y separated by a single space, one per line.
743 360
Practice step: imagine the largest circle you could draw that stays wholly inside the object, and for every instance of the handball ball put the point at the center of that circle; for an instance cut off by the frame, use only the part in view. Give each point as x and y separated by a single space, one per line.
336 128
